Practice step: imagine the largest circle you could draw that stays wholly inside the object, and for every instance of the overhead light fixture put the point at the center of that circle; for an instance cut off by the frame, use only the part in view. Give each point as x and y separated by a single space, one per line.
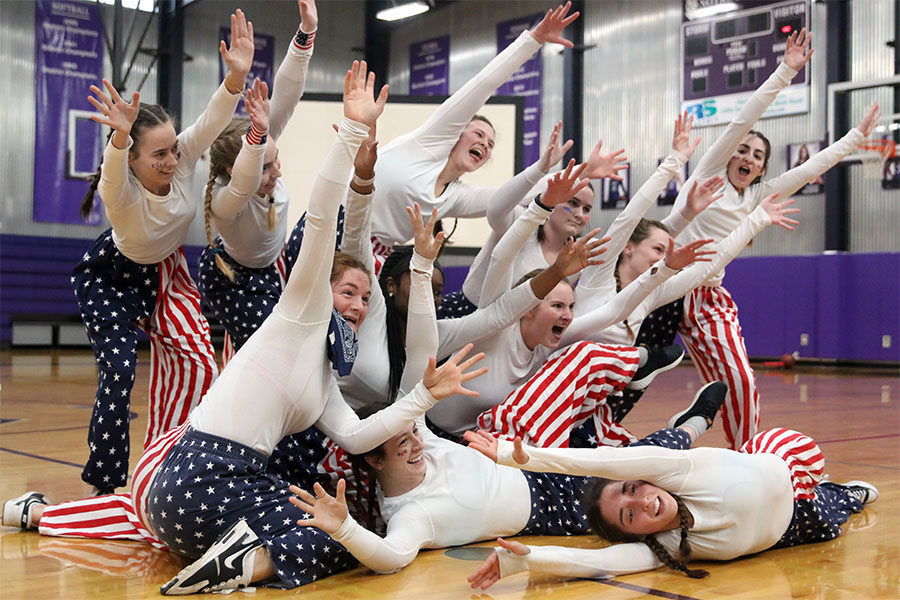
402 11
712 10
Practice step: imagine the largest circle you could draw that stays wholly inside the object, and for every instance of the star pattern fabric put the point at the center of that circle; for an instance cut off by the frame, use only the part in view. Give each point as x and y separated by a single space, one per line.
117 297
455 305
207 483
556 507
820 519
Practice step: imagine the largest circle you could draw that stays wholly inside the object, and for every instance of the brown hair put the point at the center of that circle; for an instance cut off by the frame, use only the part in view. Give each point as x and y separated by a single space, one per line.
610 532
344 262
768 146
483 119
149 115
641 232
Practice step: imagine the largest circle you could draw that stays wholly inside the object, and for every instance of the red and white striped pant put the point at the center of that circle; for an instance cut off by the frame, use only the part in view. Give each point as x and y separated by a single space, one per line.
571 386
182 359
712 334
799 451
380 252
114 516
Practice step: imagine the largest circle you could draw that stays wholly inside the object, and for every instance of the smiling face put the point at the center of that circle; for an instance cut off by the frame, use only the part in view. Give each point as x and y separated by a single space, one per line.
545 324
638 507
473 148
154 156
748 162
350 293
570 217
271 170
402 464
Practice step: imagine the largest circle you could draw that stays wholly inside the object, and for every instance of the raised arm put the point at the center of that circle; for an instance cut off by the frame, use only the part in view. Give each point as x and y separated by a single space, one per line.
116 113
791 181
407 532
290 79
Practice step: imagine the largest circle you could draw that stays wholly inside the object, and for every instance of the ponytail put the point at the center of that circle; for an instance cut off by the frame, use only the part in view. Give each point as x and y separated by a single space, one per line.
207 210
273 217
87 203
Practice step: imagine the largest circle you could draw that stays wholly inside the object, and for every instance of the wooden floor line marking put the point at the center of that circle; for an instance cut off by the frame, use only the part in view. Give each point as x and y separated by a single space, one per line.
644 590
39 457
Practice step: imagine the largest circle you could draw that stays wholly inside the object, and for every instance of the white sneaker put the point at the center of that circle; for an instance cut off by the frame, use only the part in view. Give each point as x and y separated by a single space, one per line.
227 565
864 491
17 513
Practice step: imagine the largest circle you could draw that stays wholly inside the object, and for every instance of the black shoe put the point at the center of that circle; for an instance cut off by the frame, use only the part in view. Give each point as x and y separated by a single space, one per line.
864 491
659 361
707 402
227 565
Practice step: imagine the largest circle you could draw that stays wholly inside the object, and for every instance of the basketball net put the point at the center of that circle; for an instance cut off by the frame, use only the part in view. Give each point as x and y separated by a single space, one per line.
873 155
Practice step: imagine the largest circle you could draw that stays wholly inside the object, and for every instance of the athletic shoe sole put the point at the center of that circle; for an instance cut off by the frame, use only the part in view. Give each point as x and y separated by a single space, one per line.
871 490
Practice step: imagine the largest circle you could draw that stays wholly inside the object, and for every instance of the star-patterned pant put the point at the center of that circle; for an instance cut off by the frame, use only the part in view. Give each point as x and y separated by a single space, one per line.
455 305
657 331
207 483
117 296
556 507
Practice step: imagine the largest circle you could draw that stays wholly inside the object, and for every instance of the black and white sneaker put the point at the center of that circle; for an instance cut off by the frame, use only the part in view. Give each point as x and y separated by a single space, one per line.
227 565
864 491
17 513
707 402
659 361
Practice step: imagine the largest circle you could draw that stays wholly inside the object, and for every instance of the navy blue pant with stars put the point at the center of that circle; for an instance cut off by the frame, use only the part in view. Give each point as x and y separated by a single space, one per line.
820 519
117 297
455 305
207 483
242 305
556 507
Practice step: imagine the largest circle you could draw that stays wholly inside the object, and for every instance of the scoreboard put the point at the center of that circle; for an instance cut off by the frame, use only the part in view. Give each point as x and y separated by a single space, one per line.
725 57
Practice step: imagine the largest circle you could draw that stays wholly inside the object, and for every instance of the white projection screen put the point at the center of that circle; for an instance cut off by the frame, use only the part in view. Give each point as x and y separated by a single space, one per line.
303 143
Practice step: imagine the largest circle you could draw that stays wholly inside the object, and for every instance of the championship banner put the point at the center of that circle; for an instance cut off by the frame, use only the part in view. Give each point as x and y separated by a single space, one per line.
429 67
263 67
526 82
730 48
67 143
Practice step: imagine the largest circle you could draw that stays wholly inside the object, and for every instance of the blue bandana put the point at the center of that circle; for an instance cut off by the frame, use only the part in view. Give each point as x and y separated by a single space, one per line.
342 346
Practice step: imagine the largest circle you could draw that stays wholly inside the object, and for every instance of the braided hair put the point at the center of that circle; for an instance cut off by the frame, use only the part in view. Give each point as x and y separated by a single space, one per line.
395 265
610 532
149 115
366 501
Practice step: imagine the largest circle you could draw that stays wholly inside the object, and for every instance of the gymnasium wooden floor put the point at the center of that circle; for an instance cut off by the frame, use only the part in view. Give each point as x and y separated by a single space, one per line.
854 416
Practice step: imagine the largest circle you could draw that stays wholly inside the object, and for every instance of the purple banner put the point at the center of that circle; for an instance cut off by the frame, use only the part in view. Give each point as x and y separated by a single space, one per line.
67 144
526 82
263 62
429 67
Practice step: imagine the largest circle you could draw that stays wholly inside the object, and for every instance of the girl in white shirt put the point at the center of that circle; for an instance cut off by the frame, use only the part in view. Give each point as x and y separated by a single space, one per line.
135 275
669 505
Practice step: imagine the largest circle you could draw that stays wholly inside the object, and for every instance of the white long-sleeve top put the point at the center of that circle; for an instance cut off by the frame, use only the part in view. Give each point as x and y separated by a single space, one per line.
741 503
237 212
281 382
147 227
465 497
408 167
369 381
722 216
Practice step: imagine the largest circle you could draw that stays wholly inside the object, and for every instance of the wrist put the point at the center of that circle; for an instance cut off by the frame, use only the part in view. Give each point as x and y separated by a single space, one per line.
234 83
537 201
363 178
304 40
256 136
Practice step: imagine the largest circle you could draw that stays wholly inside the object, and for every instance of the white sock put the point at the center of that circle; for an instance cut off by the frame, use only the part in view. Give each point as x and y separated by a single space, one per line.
697 426
643 356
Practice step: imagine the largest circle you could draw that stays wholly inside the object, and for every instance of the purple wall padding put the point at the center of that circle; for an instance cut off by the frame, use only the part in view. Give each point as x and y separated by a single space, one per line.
846 303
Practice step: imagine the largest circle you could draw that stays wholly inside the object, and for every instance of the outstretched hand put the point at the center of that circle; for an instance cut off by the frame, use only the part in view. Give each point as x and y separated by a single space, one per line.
489 572
309 15
681 140
701 195
778 211
256 103
114 111
360 103
797 51
366 156
427 245
554 152
563 185
867 123
601 166
576 255
483 442
447 380
327 513
550 28
688 254
238 56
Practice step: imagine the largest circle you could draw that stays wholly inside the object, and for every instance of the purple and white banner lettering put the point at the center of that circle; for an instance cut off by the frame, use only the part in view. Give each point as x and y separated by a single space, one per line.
67 144
525 82
429 67
263 62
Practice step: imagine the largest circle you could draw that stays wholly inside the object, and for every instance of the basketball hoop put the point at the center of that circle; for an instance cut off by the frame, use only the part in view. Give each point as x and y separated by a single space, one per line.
873 155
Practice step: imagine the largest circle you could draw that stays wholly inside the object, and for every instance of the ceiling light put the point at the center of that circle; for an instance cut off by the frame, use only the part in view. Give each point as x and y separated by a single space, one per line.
712 9
402 11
